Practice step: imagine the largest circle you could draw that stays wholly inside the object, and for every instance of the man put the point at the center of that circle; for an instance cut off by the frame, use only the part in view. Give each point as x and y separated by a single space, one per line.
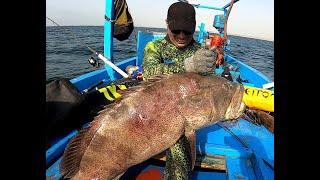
178 52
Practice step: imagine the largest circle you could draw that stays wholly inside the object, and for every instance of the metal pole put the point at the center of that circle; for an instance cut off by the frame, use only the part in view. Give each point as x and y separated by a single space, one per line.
227 5
207 7
108 36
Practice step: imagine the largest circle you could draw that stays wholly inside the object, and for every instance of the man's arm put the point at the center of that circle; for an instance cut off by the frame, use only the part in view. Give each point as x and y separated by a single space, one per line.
152 61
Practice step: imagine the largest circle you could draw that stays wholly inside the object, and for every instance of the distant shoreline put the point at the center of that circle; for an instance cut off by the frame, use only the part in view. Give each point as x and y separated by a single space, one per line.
239 35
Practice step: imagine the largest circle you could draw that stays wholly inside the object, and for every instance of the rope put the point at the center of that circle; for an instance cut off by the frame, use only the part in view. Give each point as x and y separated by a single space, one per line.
243 143
234 135
226 20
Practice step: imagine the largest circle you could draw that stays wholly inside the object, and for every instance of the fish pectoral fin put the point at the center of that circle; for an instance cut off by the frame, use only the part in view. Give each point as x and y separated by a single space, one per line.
191 136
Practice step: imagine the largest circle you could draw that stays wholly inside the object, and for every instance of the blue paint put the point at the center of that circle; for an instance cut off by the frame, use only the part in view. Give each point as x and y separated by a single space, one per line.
202 34
258 138
142 39
248 84
261 169
218 21
227 48
247 72
209 175
53 171
108 37
240 168
224 150
227 5
208 7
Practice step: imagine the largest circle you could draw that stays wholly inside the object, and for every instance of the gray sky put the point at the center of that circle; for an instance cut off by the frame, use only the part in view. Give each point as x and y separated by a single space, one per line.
249 18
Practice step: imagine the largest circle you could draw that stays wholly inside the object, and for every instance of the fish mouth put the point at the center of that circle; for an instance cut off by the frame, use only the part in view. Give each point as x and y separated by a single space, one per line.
237 106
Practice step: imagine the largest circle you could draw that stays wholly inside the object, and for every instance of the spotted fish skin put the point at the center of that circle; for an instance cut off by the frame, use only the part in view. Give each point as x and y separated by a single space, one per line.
178 161
146 121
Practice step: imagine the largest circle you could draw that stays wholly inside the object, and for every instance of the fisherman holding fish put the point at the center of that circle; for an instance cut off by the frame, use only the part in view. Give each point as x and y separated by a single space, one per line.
178 52
161 114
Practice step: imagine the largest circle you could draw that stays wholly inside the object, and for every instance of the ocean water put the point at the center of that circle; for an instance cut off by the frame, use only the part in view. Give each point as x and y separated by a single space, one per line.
66 57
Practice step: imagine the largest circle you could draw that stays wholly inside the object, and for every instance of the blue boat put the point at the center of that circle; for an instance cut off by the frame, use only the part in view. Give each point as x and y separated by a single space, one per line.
240 150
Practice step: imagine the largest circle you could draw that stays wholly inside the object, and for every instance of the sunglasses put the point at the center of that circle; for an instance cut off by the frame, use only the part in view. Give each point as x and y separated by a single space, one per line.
179 31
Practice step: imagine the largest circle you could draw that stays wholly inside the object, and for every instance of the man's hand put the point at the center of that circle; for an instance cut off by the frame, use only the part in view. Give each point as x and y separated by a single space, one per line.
220 56
202 61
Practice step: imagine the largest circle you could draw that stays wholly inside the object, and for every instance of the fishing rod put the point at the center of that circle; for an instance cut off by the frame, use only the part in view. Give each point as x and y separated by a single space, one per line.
100 56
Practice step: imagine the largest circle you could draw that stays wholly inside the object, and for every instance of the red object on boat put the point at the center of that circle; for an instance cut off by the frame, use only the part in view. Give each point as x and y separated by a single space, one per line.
216 40
151 174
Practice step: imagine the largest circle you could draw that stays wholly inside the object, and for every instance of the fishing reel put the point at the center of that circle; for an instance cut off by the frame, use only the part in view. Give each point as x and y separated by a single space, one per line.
93 62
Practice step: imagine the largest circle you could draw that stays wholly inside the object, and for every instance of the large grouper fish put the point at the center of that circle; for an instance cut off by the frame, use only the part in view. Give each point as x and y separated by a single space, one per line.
147 120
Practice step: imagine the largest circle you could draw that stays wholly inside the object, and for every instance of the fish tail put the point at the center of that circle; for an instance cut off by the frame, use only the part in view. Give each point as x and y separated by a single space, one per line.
70 162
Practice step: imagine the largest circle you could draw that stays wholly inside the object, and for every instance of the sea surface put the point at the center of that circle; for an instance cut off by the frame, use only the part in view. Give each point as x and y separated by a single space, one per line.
67 54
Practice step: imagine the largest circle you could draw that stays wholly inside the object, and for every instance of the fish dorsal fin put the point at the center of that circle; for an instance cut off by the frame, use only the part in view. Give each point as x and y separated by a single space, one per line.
76 148
148 82
157 78
130 90
142 85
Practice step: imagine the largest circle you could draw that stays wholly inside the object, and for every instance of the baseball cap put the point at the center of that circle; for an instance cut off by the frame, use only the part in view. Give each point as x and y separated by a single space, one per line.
181 16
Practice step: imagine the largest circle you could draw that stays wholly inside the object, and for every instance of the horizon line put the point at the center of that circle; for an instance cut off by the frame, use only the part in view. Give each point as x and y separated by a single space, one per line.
239 35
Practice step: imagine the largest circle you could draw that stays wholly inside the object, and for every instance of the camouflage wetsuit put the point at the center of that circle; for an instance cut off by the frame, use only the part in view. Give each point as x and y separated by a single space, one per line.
163 57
